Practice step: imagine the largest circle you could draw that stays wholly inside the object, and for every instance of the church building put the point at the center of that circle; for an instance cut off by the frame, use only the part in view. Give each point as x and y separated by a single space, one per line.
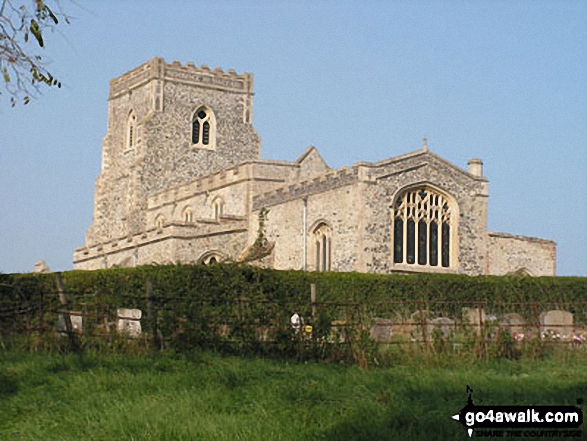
182 181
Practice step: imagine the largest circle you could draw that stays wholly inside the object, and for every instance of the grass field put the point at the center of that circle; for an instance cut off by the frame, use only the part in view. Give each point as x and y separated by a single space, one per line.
209 397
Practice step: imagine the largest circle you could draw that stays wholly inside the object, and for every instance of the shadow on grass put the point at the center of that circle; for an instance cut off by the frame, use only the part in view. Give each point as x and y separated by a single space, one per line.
8 386
425 413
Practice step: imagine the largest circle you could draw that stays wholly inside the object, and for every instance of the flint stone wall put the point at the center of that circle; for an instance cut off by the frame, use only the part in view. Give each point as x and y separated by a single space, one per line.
509 253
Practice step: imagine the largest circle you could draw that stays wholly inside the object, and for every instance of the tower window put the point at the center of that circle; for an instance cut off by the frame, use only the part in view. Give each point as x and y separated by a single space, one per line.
203 128
422 233
131 131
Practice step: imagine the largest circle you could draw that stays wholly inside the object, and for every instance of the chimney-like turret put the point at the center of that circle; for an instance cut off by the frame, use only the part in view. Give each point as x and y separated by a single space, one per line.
475 167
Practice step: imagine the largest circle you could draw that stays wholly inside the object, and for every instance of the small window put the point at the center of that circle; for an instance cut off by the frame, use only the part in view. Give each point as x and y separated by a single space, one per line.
131 131
188 215
159 222
218 206
211 258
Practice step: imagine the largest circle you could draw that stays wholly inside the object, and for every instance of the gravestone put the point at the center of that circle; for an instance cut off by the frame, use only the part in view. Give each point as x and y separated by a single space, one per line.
557 322
474 319
381 330
513 322
129 321
444 325
76 322
337 331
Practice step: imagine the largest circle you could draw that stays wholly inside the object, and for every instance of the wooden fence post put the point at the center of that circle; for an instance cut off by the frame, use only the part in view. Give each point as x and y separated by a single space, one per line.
73 341
152 316
313 301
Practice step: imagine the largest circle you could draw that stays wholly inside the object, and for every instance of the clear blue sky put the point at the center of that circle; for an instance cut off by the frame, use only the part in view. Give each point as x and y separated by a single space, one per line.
505 81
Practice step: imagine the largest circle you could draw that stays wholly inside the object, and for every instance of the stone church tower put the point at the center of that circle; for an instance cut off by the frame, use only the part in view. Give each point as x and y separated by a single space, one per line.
167 124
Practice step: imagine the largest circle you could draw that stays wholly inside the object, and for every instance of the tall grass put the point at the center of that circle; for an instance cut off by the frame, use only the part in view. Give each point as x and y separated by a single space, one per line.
203 396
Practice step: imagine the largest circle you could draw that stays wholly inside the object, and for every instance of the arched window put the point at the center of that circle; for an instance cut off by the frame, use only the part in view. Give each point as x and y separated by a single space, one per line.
423 228
203 128
218 206
159 221
211 258
188 215
322 243
131 131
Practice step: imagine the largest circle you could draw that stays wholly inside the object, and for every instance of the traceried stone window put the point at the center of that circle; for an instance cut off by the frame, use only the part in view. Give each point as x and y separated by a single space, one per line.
131 131
322 243
203 128
423 227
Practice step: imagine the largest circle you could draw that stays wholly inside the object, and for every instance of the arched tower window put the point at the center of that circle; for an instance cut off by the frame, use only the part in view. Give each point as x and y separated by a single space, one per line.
322 242
203 128
131 131
423 228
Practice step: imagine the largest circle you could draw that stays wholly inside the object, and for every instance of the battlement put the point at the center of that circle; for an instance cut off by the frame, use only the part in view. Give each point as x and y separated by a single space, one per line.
200 229
328 181
278 172
216 180
203 76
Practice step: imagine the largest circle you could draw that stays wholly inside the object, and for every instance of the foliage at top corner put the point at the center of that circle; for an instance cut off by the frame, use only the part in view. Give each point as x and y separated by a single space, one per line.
23 27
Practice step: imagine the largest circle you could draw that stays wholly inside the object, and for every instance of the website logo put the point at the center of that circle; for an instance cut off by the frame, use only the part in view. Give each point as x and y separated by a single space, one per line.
520 421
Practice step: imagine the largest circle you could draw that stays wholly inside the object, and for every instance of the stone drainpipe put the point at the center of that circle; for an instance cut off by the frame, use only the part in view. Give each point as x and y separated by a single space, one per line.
305 227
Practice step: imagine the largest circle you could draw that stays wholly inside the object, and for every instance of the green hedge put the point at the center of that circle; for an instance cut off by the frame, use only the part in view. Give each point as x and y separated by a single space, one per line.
230 305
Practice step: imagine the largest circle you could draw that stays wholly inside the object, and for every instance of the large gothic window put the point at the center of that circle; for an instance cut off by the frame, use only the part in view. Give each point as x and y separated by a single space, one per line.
322 243
203 128
422 229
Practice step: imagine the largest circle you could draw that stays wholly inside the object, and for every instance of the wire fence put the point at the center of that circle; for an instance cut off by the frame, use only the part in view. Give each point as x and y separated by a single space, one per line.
157 320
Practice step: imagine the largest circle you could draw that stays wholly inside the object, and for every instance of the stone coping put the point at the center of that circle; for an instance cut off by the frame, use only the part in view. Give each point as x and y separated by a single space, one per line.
522 238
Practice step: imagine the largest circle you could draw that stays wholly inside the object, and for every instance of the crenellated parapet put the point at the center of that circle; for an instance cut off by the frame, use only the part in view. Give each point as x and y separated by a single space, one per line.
331 180
203 76
201 229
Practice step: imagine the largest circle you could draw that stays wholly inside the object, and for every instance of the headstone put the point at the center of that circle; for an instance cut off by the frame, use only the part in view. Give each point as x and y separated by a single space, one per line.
513 322
381 330
444 325
557 322
472 318
129 321
76 322
337 331
41 267
418 325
